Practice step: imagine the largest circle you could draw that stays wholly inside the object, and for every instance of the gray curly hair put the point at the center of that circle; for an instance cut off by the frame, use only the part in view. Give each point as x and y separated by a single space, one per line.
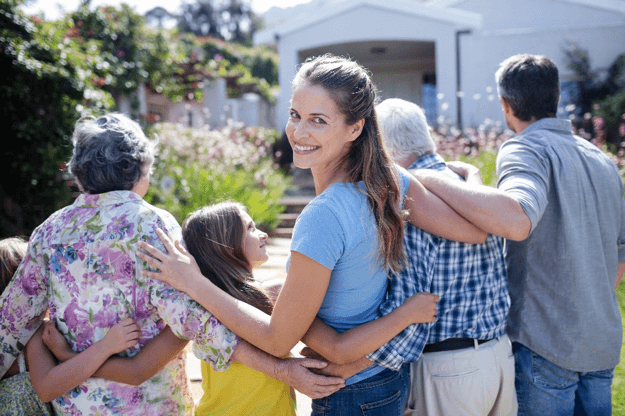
111 153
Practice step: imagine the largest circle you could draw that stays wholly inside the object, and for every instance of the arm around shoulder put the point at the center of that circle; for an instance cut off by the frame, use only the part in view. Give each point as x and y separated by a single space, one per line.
492 210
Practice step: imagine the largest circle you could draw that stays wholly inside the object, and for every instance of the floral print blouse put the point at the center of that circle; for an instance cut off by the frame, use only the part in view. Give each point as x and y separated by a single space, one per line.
81 264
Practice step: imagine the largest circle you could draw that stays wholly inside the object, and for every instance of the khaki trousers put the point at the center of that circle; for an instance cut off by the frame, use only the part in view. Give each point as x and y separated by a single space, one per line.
477 381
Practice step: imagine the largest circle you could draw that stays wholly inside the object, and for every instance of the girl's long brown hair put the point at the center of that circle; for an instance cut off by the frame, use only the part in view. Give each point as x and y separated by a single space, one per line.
367 159
12 251
214 237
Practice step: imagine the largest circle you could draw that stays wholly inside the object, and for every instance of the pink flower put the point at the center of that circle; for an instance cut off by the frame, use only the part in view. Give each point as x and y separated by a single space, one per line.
129 396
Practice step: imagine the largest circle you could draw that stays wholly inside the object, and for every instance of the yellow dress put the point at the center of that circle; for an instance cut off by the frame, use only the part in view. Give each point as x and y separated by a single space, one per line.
245 392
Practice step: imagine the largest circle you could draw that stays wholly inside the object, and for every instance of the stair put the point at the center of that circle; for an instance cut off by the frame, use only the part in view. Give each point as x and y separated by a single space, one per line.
301 192
294 206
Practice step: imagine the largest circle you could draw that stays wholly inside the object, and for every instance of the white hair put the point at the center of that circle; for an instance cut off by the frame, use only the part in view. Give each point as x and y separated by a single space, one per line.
404 129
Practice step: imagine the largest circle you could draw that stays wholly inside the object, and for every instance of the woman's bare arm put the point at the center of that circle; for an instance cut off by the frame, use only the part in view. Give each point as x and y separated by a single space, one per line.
430 213
357 342
296 307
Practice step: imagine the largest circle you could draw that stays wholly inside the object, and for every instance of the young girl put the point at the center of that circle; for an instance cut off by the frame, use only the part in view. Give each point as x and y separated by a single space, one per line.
49 380
226 246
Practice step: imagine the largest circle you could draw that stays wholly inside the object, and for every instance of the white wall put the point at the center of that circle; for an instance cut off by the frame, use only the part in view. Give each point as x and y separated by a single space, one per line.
531 26
362 24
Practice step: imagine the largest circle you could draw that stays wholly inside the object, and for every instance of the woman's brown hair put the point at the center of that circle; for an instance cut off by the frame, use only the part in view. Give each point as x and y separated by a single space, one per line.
12 251
214 237
367 159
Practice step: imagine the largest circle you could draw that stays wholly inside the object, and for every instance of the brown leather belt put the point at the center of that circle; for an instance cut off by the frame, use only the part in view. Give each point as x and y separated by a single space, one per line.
451 344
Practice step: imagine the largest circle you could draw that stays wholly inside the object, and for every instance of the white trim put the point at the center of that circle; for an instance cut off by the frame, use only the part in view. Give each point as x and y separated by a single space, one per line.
442 4
456 17
533 30
611 5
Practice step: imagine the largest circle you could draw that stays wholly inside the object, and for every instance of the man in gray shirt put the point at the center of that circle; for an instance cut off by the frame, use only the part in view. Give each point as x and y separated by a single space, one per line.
559 205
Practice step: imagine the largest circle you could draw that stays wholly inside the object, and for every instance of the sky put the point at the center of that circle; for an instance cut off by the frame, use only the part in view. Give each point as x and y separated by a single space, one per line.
53 8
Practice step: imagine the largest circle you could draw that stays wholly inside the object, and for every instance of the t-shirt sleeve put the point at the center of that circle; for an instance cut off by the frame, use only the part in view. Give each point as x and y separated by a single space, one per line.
404 181
319 235
524 175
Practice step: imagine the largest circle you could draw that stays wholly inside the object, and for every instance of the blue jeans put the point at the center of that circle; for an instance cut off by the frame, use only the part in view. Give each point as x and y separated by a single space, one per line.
384 394
546 389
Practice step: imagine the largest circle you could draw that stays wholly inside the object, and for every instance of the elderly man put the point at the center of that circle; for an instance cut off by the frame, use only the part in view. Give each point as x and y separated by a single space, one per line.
560 206
466 367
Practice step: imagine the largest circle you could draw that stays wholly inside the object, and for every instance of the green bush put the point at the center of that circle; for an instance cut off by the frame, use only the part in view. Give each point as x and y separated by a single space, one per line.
197 167
42 92
609 120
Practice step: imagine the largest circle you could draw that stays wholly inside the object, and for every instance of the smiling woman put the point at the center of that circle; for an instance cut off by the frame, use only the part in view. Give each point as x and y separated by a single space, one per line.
345 242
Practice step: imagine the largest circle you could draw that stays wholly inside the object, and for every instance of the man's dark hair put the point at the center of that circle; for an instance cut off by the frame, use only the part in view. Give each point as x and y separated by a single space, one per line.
530 85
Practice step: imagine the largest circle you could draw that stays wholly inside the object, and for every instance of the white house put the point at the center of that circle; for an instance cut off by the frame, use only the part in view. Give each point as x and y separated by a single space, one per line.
442 54
213 112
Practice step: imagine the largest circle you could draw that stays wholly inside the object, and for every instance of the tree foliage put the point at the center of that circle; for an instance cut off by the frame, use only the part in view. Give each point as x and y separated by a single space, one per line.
231 20
600 93
55 72
40 90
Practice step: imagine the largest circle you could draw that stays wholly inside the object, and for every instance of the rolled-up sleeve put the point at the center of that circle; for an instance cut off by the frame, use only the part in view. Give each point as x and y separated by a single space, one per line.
408 345
23 300
524 175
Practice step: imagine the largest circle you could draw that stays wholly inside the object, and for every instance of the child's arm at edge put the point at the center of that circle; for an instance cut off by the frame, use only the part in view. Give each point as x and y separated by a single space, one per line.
129 370
50 380
357 342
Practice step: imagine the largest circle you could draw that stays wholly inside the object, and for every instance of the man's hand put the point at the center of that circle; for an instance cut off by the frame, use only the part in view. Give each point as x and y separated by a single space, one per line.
343 371
298 373
469 172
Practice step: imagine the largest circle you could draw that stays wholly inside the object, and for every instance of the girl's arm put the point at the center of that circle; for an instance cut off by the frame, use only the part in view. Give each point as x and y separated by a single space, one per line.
294 311
128 370
430 213
50 380
357 342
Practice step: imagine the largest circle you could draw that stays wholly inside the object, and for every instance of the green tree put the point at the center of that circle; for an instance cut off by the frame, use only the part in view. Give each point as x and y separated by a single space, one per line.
41 92
231 20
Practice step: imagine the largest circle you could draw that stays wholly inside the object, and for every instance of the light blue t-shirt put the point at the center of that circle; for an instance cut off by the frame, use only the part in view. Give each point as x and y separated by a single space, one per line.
337 229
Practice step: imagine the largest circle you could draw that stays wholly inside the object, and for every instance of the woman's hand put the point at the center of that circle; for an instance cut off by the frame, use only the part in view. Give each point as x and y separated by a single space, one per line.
56 342
122 336
421 307
177 267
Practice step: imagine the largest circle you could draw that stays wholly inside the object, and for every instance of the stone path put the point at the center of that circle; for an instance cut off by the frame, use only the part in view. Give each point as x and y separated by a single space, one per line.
278 251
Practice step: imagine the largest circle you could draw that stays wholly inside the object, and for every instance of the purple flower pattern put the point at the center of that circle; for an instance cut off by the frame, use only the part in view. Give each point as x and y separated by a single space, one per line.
81 264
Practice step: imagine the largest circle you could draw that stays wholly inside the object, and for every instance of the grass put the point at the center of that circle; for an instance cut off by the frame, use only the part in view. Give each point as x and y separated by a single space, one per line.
618 385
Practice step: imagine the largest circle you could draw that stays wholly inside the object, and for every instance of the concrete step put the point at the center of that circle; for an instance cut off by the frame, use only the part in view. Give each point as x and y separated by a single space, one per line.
295 203
282 233
287 220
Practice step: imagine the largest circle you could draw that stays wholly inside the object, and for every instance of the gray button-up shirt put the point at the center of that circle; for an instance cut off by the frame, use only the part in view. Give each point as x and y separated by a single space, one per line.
561 278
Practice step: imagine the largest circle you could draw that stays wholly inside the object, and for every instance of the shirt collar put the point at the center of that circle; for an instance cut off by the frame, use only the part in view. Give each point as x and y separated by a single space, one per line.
549 123
105 199
429 161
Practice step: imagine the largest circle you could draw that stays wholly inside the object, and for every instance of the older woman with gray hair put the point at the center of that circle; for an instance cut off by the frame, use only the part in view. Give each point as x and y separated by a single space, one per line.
81 264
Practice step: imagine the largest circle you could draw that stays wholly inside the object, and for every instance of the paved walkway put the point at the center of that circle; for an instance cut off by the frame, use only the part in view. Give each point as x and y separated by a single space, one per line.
278 250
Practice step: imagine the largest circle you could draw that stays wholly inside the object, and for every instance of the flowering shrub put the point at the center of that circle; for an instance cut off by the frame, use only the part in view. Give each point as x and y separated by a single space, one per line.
479 146
197 167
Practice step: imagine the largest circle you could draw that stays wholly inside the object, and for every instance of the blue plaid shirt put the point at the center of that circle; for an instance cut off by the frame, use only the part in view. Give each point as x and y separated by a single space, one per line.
470 280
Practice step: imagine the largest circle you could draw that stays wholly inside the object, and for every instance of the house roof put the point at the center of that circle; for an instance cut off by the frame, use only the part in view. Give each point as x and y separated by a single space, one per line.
611 5
452 16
